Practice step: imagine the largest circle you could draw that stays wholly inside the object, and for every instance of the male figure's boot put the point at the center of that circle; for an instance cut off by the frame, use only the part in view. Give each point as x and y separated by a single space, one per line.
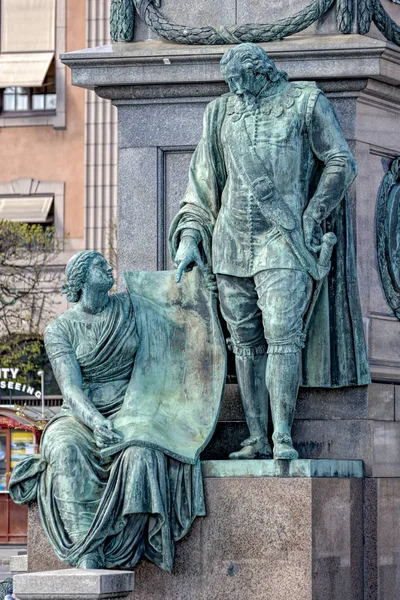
250 371
283 380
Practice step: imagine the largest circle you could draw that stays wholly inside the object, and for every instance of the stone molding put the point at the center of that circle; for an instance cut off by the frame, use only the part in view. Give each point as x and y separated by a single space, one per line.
158 63
278 468
19 564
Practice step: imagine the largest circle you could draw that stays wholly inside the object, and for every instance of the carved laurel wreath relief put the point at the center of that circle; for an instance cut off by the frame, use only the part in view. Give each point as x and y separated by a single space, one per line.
353 16
388 235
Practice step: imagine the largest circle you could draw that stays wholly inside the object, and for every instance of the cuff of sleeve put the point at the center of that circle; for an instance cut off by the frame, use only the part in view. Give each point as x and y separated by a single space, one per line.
191 234
317 213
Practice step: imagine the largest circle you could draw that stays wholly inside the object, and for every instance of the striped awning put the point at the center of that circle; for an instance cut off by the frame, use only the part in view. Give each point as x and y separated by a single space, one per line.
24 70
26 209
28 25
27 41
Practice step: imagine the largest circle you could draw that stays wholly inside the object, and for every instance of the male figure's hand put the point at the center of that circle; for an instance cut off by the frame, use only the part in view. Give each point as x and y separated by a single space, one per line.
187 256
312 233
104 433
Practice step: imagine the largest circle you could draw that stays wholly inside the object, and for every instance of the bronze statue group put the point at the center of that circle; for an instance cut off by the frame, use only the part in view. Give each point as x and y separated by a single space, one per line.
268 181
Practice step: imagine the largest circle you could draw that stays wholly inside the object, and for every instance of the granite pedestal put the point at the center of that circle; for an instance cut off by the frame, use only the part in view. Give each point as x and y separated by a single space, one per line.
381 505
273 531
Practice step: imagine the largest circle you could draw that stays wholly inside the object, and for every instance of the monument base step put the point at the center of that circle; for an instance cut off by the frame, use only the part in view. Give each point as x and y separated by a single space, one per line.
283 468
19 564
74 584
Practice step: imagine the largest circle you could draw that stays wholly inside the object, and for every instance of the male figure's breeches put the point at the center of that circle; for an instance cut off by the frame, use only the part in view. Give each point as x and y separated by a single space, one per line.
265 312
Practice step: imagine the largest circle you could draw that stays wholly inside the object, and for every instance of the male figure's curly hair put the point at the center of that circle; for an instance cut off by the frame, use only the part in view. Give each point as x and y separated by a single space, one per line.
76 273
253 57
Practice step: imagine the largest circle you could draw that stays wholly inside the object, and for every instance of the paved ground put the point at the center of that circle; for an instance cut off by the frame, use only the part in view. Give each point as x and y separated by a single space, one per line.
5 553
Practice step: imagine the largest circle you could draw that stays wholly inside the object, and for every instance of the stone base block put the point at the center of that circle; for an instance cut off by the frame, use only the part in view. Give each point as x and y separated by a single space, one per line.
273 531
267 538
74 584
19 564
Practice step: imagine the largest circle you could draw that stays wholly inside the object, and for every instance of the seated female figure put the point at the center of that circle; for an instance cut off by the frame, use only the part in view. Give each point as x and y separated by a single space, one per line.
102 512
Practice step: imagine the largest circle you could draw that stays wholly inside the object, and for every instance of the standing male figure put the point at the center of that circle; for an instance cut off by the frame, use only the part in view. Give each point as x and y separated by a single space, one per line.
267 179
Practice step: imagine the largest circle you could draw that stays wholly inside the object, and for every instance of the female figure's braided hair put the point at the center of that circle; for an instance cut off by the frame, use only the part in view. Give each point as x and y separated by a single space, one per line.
76 274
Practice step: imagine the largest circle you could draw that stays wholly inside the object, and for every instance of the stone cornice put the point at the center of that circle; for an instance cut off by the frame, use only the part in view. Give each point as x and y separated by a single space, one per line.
157 63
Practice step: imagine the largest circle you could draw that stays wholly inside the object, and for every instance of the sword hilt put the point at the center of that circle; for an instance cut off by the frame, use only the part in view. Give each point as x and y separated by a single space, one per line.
328 242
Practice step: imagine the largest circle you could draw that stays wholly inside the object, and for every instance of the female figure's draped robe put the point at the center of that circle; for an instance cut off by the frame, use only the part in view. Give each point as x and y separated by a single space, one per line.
127 507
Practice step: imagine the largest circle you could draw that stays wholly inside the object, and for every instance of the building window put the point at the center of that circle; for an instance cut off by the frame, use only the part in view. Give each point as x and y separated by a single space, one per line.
32 78
31 99
32 201
15 98
15 445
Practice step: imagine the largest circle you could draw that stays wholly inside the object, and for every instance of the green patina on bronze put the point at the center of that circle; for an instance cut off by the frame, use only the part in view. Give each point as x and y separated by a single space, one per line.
280 468
122 20
118 476
123 14
173 399
388 235
266 201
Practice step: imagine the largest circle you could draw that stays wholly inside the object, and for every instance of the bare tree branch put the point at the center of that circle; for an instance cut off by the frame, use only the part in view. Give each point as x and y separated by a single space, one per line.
29 277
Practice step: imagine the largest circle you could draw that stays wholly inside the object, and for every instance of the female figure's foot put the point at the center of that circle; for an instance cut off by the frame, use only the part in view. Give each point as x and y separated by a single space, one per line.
91 560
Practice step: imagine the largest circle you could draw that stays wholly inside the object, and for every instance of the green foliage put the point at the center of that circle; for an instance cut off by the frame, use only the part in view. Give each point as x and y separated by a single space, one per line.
25 352
29 277
5 587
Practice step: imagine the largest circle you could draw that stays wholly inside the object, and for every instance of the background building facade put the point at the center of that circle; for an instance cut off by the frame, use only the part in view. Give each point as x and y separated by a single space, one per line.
58 167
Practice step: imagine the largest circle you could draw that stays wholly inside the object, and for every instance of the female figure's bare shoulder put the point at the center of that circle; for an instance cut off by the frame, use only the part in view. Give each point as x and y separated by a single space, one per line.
88 282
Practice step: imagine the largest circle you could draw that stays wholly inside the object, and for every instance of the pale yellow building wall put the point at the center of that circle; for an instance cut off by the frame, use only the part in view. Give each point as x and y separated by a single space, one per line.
47 154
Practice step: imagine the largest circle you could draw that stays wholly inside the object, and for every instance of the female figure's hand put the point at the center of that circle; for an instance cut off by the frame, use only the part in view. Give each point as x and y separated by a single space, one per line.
104 433
69 377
